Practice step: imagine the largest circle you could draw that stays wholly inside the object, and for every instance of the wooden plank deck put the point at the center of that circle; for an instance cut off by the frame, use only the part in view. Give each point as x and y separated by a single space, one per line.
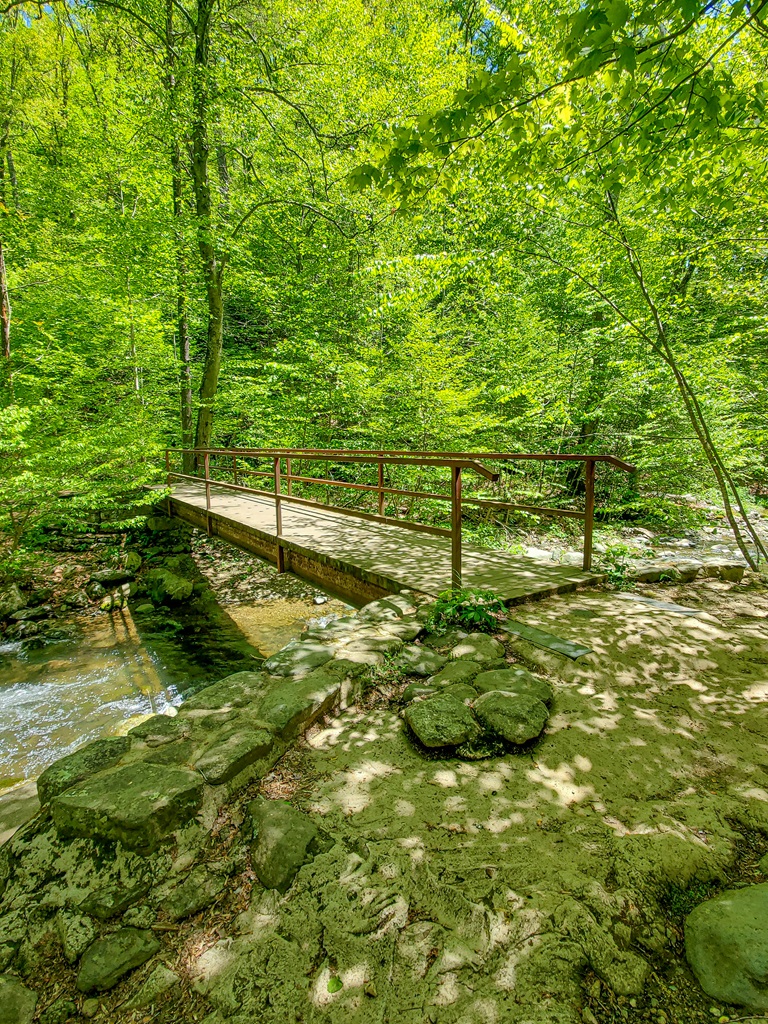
388 557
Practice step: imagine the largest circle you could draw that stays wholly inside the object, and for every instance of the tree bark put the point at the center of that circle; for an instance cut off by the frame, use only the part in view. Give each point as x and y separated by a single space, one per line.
182 320
212 260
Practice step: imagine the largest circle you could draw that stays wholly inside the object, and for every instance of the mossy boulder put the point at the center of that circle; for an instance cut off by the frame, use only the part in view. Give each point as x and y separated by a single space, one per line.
17 1002
441 721
480 648
285 839
726 944
138 805
515 680
511 717
85 762
112 957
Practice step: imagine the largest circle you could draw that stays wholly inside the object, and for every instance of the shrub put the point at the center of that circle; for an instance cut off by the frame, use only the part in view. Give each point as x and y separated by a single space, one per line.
478 611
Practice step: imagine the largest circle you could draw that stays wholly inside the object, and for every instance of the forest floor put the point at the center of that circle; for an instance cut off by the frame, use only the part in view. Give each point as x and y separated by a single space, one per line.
547 886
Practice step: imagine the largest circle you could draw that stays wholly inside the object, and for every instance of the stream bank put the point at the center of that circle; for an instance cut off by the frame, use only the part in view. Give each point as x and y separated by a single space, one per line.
547 884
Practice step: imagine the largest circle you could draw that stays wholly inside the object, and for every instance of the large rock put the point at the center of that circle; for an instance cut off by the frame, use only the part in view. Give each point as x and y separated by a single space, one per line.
441 721
161 729
289 707
110 958
285 839
298 659
165 587
111 577
17 1002
233 747
514 680
419 661
480 648
239 690
726 943
138 805
11 600
89 760
76 933
513 718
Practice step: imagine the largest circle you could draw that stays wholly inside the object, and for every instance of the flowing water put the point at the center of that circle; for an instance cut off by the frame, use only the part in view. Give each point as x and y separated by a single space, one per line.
114 669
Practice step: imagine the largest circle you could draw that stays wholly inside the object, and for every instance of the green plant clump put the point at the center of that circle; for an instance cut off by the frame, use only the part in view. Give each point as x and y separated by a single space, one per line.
478 611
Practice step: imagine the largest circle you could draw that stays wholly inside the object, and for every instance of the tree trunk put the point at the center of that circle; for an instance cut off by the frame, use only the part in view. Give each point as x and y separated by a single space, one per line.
212 260
5 302
182 321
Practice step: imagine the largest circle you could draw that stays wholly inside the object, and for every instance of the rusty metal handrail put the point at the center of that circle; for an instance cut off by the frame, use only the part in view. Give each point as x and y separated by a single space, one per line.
456 461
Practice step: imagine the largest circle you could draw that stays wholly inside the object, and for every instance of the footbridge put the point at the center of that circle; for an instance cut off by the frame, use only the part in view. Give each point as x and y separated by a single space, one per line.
340 518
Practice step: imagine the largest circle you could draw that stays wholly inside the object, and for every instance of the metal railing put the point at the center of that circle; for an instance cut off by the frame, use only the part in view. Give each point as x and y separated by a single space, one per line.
283 478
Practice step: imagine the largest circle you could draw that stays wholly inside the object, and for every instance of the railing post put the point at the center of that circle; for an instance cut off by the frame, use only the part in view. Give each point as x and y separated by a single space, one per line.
234 467
207 466
278 519
167 468
589 511
381 487
288 477
456 527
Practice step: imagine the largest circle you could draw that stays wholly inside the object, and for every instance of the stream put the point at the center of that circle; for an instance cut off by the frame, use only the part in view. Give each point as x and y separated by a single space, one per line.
106 672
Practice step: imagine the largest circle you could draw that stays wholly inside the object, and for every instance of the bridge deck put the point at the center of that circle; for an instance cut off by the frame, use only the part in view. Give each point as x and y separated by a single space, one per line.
388 557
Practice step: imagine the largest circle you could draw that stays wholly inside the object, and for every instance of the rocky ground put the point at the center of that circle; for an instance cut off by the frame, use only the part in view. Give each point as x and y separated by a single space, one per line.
540 879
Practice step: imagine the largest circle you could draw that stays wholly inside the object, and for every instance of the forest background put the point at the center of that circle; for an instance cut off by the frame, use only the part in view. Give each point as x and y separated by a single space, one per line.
522 226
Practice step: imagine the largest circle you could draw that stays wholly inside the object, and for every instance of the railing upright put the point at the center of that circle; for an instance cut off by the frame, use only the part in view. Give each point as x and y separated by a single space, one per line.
456 527
381 487
234 467
589 512
279 519
167 467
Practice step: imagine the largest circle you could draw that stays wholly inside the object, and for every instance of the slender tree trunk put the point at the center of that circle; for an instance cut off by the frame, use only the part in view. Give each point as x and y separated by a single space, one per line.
182 320
725 482
212 260
5 302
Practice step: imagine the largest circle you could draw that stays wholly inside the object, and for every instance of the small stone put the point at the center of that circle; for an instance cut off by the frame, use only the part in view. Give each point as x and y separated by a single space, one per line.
90 1008
763 864
285 839
166 587
110 900
460 691
76 932
731 572
139 917
160 981
455 672
112 957
419 661
726 944
513 718
17 1002
11 600
132 562
111 577
198 891
59 1012
414 690
441 721
87 761
478 647
515 680
388 608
